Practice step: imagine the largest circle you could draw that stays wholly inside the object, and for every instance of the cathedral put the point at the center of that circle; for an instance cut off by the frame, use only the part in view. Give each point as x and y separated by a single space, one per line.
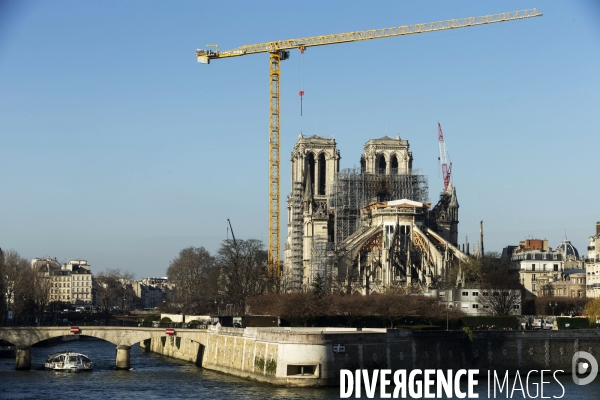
366 230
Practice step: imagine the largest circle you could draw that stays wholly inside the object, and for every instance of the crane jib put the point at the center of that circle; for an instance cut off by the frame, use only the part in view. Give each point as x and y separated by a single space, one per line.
347 37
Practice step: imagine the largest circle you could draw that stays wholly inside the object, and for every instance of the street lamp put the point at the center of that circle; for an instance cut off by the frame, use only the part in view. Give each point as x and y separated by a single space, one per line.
449 293
553 306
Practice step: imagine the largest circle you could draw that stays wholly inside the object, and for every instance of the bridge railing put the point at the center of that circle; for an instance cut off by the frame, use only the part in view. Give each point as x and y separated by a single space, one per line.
102 322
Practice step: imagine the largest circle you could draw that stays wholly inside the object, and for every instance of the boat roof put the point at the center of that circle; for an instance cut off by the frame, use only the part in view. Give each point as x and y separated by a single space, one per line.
67 353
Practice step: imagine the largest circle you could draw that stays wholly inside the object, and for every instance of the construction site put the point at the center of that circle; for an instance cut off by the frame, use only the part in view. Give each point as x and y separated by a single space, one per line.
364 230
368 229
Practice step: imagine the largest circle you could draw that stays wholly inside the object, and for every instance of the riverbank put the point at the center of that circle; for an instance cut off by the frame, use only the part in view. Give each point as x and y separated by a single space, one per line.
314 356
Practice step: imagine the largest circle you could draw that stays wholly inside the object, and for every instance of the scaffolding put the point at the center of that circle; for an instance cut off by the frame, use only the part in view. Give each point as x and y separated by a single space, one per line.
322 259
297 220
352 190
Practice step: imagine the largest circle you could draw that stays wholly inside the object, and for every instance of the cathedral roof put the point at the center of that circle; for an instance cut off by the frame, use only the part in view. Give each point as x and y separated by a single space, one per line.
315 139
398 204
404 203
386 140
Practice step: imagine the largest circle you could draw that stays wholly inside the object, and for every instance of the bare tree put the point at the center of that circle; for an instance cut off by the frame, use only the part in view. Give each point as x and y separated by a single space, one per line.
501 290
192 273
111 287
394 306
243 271
354 307
299 306
500 301
18 284
40 295
3 288
267 304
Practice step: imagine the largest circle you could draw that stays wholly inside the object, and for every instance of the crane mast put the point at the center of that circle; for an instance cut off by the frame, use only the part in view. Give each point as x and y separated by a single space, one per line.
444 158
279 51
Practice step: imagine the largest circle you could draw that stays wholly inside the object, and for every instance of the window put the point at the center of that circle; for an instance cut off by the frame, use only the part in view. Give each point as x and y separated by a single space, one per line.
475 305
382 165
394 164
475 293
533 267
465 293
322 174
532 277
544 267
484 293
533 287
556 267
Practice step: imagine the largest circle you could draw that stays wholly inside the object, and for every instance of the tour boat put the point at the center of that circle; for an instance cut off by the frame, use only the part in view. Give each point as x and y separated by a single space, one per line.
68 361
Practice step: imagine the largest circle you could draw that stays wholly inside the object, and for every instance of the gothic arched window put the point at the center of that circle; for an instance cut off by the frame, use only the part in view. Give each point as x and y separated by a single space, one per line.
322 174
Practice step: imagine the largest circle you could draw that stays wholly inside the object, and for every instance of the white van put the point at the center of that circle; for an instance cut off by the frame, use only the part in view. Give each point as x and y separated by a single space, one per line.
80 309
541 324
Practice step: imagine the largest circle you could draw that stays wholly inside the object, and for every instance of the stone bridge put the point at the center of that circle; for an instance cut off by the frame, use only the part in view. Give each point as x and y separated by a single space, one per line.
122 337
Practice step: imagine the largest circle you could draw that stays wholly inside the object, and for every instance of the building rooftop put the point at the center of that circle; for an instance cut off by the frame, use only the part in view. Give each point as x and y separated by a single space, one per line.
567 248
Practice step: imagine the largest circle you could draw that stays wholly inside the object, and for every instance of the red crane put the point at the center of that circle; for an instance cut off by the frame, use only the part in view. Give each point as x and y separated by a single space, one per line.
444 158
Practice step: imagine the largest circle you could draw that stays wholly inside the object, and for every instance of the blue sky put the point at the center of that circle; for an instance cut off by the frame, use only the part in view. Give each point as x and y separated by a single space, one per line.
118 148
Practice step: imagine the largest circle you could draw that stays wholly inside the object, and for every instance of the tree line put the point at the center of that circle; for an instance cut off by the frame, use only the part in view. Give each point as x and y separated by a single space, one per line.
22 289
209 283
403 306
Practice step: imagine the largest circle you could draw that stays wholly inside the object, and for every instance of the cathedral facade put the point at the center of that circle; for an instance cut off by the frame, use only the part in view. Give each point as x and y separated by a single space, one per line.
369 229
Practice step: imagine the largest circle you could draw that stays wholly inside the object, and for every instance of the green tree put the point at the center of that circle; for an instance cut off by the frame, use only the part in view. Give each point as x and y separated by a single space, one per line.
592 310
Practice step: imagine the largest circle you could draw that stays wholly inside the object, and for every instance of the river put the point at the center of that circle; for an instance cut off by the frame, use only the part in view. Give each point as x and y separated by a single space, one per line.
157 377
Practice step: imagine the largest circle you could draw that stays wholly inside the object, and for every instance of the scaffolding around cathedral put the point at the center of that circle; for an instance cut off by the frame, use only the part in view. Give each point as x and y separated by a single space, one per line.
322 259
294 273
352 190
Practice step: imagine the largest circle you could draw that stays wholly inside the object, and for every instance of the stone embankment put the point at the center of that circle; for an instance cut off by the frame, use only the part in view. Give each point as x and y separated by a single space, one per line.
314 356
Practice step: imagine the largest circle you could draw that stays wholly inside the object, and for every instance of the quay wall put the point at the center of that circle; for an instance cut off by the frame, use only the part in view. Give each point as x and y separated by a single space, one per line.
314 356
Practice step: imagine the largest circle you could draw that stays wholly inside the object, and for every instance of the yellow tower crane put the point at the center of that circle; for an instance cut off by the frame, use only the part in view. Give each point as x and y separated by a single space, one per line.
278 51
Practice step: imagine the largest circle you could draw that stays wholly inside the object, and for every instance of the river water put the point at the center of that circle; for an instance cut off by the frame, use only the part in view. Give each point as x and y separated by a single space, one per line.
157 377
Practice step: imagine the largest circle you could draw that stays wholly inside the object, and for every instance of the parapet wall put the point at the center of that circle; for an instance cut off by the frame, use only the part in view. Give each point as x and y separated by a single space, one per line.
314 357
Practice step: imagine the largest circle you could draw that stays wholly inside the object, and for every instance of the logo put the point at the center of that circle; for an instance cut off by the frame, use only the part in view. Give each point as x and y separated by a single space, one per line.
579 367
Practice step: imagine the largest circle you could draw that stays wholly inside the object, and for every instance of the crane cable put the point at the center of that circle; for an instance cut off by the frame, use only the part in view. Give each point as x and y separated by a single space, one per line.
301 76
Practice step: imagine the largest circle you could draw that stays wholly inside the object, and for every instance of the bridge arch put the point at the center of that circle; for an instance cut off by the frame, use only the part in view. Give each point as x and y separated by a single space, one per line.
122 337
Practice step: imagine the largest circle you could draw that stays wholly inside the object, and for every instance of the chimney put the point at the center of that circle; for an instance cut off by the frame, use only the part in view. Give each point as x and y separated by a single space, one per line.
598 228
481 234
